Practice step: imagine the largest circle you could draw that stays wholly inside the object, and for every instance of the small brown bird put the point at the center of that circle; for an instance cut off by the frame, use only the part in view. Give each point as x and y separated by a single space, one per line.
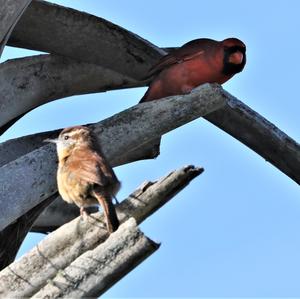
84 176
196 62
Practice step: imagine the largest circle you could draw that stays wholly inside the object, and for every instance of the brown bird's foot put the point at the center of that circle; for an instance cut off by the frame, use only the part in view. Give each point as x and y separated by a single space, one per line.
83 213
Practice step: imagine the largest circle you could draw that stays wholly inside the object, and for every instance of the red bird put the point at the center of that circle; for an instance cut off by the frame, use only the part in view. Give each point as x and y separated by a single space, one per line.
196 62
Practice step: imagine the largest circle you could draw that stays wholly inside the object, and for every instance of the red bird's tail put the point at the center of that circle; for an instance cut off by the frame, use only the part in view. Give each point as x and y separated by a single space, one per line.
154 92
144 98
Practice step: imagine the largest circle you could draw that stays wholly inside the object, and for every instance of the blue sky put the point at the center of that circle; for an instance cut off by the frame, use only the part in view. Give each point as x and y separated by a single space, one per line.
234 231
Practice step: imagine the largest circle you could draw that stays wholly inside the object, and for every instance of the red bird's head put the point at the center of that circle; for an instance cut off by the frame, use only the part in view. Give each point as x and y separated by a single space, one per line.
234 56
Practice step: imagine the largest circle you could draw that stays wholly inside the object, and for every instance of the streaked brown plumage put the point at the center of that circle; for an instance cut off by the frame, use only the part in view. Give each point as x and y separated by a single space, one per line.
196 62
84 176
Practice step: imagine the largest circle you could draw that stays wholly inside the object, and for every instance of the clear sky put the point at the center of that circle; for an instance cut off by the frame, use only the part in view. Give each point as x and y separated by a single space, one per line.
234 231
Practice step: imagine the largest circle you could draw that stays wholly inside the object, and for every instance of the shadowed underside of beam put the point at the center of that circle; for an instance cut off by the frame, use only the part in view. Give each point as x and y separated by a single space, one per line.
13 235
10 13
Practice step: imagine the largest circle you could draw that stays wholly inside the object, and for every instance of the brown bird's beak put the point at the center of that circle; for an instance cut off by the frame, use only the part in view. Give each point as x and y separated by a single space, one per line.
51 140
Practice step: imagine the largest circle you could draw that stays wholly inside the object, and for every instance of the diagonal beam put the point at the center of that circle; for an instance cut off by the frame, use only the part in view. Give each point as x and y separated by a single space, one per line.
27 275
260 135
34 173
238 120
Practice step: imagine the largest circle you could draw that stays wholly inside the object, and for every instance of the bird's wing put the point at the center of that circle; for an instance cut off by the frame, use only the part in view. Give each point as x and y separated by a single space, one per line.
91 168
190 50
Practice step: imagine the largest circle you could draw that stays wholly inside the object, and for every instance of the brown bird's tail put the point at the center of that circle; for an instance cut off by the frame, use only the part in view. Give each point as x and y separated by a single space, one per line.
111 218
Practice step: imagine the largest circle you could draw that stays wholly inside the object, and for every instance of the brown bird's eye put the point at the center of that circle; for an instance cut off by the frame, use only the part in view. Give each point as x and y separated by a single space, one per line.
66 137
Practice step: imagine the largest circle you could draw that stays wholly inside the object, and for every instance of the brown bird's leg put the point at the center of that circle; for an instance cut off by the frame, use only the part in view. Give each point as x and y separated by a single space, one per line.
111 218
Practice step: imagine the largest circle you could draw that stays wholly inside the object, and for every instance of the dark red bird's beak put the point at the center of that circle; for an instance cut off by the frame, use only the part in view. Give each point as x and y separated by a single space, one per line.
236 57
